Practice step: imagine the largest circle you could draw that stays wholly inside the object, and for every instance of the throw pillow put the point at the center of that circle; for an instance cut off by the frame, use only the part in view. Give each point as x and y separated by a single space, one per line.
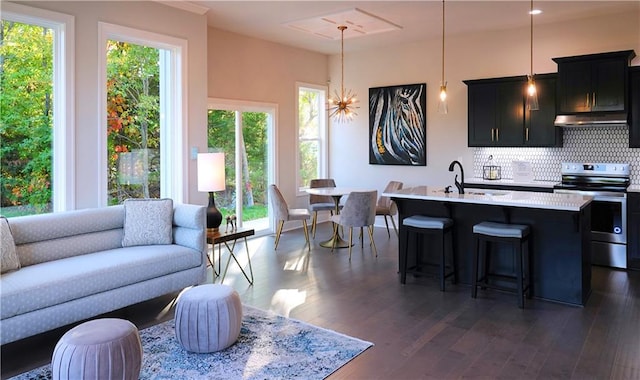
10 259
147 222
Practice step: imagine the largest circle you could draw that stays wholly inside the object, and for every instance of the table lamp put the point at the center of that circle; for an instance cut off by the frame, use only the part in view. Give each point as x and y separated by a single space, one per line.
211 178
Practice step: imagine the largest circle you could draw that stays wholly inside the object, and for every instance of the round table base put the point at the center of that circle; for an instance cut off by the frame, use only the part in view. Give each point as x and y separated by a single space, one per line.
340 242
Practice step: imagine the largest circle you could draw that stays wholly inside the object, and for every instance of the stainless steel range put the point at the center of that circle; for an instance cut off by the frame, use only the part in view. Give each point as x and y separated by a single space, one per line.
607 183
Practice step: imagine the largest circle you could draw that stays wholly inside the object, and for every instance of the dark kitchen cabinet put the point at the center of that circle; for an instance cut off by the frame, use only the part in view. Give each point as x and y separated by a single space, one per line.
497 115
593 83
634 107
539 129
495 112
633 230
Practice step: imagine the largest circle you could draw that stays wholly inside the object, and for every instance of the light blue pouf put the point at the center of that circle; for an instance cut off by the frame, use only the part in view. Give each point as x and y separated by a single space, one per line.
208 318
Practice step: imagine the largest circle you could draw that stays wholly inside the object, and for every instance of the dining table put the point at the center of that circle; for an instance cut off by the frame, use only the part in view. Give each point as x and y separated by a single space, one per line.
336 240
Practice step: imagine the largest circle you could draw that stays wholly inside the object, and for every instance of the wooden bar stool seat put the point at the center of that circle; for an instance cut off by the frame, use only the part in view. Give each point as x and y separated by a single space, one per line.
486 234
419 226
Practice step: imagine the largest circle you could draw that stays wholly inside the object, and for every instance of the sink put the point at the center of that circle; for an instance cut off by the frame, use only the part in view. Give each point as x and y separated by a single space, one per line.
492 193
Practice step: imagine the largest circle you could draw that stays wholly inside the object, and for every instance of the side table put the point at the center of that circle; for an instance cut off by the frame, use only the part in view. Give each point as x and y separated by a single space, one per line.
224 237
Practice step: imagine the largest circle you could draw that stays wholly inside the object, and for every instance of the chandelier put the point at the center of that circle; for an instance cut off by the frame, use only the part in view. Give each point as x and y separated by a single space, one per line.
532 92
342 105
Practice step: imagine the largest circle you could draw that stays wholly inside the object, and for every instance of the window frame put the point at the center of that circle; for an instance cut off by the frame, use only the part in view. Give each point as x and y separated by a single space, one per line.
173 112
63 146
323 134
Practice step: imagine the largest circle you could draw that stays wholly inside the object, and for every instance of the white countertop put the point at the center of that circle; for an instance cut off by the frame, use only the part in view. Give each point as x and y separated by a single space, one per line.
530 199
510 182
633 189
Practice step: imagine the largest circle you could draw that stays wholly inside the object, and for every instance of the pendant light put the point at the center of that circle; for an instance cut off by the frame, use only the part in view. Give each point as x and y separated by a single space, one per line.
342 105
532 93
442 104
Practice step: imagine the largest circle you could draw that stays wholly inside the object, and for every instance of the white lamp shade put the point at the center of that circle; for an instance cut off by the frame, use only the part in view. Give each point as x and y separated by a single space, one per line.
211 172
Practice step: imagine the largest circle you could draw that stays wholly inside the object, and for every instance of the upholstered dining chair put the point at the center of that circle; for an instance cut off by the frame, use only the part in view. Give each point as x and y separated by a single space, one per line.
283 213
359 211
320 202
387 208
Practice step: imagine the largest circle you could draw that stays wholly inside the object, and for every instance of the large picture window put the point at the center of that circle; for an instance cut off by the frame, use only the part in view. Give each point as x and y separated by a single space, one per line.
143 143
312 135
133 121
36 122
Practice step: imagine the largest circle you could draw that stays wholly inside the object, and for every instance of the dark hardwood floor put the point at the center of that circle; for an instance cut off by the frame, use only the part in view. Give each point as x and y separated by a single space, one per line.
418 331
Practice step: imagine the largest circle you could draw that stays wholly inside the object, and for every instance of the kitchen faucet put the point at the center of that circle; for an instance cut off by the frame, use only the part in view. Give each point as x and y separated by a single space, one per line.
459 185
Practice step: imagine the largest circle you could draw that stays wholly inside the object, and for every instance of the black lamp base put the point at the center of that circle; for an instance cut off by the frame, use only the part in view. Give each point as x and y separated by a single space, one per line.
214 216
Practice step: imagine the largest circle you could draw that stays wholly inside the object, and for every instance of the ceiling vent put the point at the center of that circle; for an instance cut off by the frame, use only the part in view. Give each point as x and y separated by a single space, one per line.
359 23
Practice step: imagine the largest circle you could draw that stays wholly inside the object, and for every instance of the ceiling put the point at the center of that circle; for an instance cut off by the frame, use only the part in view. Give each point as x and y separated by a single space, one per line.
418 20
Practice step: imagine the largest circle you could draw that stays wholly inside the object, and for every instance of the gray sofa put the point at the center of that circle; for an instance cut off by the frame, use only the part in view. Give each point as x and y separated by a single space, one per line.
74 266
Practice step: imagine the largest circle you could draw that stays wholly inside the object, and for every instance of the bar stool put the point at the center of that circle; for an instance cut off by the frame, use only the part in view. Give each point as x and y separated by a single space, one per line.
516 235
419 226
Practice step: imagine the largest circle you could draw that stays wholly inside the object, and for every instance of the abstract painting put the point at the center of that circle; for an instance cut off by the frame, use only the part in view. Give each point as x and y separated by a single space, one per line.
397 125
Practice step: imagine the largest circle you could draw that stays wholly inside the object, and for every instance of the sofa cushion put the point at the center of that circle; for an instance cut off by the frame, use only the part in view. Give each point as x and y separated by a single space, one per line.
147 222
8 253
56 225
50 283
56 249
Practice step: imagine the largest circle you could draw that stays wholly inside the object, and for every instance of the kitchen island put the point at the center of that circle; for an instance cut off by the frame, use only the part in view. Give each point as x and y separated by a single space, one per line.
560 227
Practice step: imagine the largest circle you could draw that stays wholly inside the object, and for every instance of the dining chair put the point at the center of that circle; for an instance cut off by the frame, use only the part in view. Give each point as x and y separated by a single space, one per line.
320 202
283 213
386 207
359 211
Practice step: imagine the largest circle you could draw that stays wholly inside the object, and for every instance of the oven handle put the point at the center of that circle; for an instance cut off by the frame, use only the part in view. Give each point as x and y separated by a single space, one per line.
598 196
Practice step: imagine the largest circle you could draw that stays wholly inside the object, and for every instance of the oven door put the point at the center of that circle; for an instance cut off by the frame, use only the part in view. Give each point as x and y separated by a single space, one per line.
609 219
608 215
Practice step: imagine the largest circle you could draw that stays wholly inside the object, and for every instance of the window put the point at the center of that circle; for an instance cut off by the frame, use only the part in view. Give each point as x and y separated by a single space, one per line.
312 135
36 111
143 144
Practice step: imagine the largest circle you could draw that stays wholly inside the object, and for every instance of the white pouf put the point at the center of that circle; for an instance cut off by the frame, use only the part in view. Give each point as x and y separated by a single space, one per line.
208 318
107 348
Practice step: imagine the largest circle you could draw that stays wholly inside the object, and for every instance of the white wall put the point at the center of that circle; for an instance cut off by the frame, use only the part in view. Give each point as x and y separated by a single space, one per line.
248 69
481 55
149 16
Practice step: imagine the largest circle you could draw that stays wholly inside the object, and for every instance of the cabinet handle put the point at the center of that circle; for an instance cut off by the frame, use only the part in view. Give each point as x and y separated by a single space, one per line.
588 99
526 134
593 104
497 134
492 133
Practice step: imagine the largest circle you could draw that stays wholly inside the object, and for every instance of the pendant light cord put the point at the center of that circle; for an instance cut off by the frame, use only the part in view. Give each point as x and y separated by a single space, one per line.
531 41
442 84
342 28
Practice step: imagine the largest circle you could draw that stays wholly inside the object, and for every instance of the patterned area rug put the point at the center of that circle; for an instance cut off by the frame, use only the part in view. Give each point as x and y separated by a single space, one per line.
269 347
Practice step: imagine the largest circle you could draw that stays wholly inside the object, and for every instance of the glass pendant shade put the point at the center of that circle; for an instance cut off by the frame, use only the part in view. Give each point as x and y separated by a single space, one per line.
442 104
532 94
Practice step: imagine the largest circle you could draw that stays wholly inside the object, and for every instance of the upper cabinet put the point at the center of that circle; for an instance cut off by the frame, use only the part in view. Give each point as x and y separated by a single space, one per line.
497 115
539 129
593 83
634 107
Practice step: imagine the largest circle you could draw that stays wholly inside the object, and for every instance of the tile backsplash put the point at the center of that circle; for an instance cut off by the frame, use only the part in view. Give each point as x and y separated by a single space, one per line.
597 144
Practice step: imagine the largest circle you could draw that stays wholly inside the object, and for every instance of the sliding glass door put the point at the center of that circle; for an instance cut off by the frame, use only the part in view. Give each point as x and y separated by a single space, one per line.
243 133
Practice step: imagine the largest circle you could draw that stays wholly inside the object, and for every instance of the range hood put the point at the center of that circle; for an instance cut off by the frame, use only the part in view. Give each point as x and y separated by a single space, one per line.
592 120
